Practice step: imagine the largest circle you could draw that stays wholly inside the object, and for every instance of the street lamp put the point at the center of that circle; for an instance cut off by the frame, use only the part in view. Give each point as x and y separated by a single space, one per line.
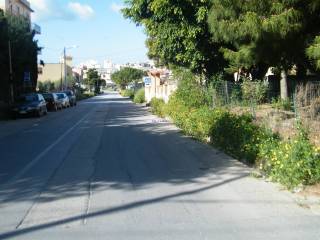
65 65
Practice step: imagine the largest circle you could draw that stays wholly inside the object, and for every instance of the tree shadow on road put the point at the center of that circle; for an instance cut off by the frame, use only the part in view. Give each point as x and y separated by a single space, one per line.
136 151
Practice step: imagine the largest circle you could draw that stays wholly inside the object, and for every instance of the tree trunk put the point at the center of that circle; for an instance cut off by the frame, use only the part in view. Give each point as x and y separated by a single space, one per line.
284 85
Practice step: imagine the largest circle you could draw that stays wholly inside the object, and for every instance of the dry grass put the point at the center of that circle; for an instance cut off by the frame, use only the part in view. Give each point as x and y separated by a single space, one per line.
307 99
282 122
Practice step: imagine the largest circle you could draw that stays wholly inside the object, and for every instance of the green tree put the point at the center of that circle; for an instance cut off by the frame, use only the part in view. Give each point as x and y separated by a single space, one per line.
93 80
313 51
264 32
24 51
24 54
178 33
46 86
127 75
4 63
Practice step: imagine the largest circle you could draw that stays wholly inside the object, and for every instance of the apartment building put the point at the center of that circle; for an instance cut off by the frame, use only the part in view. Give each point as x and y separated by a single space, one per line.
54 72
17 8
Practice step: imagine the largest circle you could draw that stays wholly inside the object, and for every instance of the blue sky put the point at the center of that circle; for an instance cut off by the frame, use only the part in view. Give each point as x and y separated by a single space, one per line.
96 27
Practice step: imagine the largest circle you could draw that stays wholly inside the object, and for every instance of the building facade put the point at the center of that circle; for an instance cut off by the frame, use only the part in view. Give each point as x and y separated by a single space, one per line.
17 8
54 72
161 85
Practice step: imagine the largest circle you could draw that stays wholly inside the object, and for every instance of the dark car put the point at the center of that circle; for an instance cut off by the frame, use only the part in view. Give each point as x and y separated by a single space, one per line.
53 102
30 104
72 97
63 98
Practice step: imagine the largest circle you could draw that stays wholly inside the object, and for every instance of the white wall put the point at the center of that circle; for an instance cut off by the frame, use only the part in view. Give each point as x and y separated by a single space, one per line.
2 4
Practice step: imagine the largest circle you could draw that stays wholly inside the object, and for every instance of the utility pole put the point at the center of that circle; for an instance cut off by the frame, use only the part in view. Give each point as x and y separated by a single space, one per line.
65 68
61 64
10 74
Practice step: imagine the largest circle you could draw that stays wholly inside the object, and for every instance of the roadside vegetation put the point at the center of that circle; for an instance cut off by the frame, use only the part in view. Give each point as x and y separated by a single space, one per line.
139 96
127 93
126 76
129 81
206 42
15 35
292 162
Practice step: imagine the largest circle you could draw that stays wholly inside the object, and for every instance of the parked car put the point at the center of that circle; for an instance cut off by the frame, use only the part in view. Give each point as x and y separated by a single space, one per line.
30 104
63 98
72 97
53 103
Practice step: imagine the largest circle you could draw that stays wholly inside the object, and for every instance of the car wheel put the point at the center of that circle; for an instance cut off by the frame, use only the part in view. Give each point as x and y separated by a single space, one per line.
38 113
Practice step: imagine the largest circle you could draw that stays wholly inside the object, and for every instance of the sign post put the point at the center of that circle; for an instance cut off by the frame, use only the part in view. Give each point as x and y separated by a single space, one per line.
147 81
27 77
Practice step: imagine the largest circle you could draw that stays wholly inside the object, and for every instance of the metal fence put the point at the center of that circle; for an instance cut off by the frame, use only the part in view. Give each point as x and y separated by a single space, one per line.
249 95
307 101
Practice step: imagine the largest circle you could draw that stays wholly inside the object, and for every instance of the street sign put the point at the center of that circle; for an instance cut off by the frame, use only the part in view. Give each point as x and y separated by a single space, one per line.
147 81
27 77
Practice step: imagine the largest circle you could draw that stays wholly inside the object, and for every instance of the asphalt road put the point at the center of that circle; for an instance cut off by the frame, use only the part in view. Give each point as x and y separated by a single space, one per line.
108 169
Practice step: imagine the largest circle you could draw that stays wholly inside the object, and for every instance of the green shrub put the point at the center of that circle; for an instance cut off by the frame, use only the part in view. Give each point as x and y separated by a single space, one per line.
158 107
281 104
191 92
238 135
292 162
254 91
139 96
84 95
177 111
127 93
46 86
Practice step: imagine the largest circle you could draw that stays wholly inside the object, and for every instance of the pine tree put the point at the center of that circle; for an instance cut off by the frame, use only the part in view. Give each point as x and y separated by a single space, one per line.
270 32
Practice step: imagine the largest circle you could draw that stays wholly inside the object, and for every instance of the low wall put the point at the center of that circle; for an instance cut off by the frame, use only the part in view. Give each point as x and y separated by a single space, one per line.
161 91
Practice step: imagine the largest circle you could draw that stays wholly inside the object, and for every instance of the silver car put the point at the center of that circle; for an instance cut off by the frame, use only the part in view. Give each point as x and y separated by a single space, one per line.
64 99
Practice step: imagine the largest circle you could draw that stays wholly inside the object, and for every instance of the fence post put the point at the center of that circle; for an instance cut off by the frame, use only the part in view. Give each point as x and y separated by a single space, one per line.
227 92
253 112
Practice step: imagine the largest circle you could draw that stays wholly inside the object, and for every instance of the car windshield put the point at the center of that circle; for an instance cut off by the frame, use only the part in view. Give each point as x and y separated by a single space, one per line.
47 96
60 95
28 98
69 93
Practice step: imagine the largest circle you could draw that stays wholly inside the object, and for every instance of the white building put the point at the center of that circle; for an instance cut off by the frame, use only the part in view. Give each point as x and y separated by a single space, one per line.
108 69
144 66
